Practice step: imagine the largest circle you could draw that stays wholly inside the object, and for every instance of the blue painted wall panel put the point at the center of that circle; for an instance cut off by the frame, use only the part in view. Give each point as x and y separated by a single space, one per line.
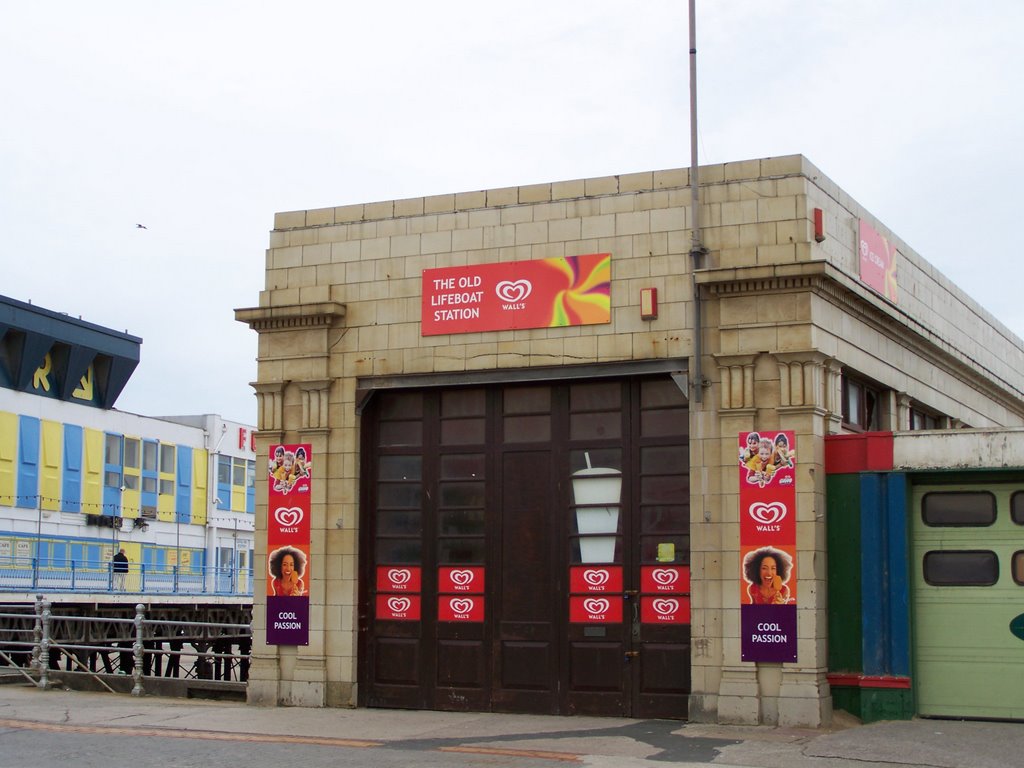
885 554
899 574
184 485
71 476
149 498
112 493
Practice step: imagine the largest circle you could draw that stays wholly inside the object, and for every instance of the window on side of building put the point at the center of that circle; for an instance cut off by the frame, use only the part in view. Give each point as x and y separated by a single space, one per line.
112 452
149 454
131 452
113 457
924 419
861 404
238 472
223 470
166 458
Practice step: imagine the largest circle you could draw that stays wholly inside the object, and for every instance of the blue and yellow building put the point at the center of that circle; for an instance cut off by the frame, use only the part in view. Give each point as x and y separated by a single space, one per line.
80 480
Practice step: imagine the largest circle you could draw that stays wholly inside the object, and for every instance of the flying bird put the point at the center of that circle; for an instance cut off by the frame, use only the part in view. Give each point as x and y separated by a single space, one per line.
141 226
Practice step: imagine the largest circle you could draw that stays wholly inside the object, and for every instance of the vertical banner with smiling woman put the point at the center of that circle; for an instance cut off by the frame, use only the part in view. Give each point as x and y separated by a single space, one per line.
767 465
288 566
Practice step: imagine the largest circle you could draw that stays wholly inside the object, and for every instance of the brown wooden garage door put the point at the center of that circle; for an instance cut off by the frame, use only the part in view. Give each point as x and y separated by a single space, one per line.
525 548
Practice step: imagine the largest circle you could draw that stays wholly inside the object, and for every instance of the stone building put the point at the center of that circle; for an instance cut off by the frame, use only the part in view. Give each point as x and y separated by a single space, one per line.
452 426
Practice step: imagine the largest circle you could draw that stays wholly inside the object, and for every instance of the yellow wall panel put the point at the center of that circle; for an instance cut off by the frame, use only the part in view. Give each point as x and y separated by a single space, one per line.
8 456
166 503
200 502
131 497
52 438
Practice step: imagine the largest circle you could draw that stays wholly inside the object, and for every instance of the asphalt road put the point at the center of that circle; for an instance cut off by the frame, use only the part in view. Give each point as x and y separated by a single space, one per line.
54 728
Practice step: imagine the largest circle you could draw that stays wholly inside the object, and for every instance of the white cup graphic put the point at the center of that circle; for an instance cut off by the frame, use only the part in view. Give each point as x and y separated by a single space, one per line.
596 491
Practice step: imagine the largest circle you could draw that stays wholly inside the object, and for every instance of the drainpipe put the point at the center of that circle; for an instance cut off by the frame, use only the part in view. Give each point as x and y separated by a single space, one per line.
697 249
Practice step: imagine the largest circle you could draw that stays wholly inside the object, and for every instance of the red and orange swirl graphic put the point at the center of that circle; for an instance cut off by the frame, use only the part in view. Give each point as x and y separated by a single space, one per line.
587 297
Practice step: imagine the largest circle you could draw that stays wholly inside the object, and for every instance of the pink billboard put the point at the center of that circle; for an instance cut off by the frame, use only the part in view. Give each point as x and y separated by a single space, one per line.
877 262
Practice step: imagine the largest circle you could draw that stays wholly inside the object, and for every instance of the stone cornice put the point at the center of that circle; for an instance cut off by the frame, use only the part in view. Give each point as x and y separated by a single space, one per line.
292 316
838 288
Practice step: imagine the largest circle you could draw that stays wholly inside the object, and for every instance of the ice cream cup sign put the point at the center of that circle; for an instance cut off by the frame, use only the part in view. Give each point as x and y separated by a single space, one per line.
597 491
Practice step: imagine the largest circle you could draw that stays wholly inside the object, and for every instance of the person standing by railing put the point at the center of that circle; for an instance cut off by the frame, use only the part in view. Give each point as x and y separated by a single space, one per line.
120 569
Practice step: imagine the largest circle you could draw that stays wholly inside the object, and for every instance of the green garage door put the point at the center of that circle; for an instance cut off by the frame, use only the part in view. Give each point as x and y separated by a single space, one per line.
968 582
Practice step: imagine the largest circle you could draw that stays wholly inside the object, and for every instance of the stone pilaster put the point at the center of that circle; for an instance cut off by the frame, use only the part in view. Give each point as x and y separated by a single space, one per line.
802 381
314 396
293 396
736 374
270 406
902 411
833 397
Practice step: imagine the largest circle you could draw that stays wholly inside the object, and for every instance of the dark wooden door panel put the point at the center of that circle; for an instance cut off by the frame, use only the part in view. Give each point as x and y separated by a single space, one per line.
462 675
396 673
526 653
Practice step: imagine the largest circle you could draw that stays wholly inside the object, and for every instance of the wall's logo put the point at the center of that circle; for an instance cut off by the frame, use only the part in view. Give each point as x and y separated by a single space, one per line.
462 578
514 292
665 577
399 576
666 606
596 605
767 514
399 604
288 517
596 577
461 606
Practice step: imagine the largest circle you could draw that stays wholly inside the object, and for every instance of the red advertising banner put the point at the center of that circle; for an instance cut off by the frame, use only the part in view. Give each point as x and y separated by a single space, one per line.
595 610
398 578
665 579
767 478
398 607
289 479
466 579
877 262
664 610
459 608
585 579
542 293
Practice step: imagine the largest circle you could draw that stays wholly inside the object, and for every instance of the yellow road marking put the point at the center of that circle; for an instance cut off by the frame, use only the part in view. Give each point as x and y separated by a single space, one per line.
177 733
565 757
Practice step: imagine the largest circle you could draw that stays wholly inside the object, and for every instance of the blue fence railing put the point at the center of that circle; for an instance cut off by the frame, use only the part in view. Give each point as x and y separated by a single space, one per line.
24 574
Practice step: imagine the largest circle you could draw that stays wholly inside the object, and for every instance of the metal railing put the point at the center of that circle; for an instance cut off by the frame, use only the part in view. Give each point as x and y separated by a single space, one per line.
138 647
28 574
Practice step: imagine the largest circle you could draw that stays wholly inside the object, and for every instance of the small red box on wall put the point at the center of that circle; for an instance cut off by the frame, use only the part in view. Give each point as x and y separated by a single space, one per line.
648 303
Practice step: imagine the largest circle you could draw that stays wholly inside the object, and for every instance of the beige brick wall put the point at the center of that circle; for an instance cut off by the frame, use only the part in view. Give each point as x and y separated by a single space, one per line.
768 289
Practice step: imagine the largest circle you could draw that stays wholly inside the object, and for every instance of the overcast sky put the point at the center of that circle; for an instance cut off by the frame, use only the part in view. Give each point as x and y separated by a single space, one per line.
200 120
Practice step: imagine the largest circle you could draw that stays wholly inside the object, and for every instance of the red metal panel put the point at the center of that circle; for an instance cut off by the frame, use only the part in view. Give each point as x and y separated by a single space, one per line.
867 452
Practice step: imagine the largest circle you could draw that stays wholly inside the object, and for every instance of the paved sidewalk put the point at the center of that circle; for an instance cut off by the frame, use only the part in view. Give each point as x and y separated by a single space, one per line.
610 742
